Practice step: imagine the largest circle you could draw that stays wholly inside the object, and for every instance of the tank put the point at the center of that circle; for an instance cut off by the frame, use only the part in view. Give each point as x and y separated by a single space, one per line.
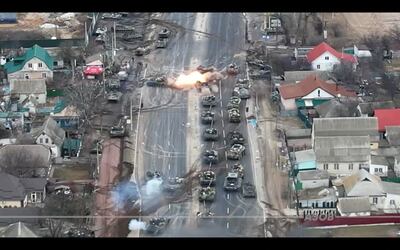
207 178
210 134
234 115
209 101
232 182
207 194
173 184
236 152
238 168
232 69
249 191
204 70
207 117
210 156
236 137
157 225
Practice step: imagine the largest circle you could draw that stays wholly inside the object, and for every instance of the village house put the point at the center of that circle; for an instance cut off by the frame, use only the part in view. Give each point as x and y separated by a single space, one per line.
298 139
367 108
24 89
313 179
309 93
21 192
303 160
35 63
50 135
379 166
392 135
387 117
338 107
320 200
354 206
323 58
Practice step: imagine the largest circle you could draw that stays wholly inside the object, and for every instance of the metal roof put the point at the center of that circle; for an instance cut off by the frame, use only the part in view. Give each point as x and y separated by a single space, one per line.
297 133
362 183
369 107
339 107
11 188
28 86
304 155
354 205
391 187
313 175
33 184
346 126
379 160
317 193
51 128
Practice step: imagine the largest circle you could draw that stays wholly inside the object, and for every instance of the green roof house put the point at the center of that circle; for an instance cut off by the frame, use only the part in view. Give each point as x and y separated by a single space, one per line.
34 63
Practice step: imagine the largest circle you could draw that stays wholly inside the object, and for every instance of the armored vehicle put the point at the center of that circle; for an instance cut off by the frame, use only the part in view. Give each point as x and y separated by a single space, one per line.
117 131
207 117
234 115
232 182
236 152
157 225
234 102
210 134
173 184
238 168
207 178
210 156
249 191
207 194
236 137
204 70
209 101
232 69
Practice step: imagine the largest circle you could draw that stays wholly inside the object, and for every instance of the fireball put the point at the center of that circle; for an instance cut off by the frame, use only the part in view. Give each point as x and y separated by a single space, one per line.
190 80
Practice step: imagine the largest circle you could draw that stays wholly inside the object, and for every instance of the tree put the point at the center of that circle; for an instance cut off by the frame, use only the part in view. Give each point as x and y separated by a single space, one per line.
344 72
390 85
23 163
86 97
394 33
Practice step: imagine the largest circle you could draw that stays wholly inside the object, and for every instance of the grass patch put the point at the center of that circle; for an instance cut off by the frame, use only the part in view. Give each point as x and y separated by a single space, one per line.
71 173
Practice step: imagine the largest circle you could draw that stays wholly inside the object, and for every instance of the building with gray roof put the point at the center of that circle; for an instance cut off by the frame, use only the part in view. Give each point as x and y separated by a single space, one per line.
367 108
393 135
51 135
339 107
354 206
25 88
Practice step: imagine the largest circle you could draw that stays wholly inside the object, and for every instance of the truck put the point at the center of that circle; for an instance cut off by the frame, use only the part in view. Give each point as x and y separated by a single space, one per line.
117 131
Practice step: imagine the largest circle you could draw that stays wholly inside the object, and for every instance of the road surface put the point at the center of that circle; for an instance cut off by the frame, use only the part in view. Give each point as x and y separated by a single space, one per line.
163 140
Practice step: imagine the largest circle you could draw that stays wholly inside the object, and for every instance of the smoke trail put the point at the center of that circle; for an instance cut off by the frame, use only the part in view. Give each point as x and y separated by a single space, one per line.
124 193
137 225
153 187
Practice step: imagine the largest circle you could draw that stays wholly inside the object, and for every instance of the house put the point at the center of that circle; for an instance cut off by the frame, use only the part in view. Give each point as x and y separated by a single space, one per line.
360 51
313 179
298 139
320 200
393 135
50 135
71 147
347 126
310 92
25 89
26 161
35 63
339 107
323 58
367 108
354 206
21 192
391 203
18 229
303 160
387 117
67 119
379 165
297 76
342 155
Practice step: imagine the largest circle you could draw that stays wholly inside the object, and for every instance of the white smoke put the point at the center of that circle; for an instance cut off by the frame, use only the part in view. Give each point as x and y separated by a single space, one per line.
136 225
153 187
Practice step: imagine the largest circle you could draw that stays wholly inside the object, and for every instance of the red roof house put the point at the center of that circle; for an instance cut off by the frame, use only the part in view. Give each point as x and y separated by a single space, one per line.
387 117
324 57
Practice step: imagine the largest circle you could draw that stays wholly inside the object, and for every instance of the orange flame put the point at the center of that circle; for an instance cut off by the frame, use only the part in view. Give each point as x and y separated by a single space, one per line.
191 79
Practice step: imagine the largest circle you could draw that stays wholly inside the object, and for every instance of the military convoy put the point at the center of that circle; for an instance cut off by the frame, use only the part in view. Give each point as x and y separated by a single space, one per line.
207 178
236 137
234 102
238 168
248 190
207 194
210 157
210 134
173 184
236 152
157 82
234 115
232 182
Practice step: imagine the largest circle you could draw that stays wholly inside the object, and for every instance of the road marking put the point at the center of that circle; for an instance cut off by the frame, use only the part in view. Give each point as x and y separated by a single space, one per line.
223 133
212 144
227 225
227 210
224 141
222 123
227 196
226 164
169 206
222 114
169 144
169 166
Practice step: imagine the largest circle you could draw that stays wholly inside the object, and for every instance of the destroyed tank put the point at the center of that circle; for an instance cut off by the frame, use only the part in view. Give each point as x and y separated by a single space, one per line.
157 225
207 117
232 69
232 182
234 115
236 137
209 101
234 102
236 152
210 134
210 156
207 194
249 190
238 168
157 82
207 178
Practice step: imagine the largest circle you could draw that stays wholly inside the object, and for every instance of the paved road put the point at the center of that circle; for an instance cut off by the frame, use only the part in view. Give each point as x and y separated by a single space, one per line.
162 134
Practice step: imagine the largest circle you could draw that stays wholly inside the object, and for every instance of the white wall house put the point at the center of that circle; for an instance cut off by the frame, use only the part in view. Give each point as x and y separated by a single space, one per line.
342 168
313 179
379 166
325 62
50 135
354 206
46 140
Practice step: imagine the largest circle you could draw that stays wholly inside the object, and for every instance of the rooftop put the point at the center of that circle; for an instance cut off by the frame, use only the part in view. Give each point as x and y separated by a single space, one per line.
362 183
339 107
369 107
387 117
11 188
51 128
324 47
31 86
379 160
317 193
297 133
313 175
393 135
354 205
311 83
23 214
35 52
294 76
304 155
346 126
391 187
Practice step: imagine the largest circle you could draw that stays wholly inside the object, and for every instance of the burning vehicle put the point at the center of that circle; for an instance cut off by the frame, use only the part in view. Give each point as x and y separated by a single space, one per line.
209 101
261 74
234 115
236 137
173 184
238 168
157 225
207 194
207 117
234 102
236 152
232 69
157 82
204 70
164 33
249 190
210 157
232 182
210 134
207 178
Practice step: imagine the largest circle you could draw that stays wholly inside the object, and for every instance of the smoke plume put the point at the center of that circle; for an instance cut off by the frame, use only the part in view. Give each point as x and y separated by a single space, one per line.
137 225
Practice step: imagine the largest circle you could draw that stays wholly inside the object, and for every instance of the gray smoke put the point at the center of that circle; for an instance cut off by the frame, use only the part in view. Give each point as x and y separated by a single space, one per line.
136 225
153 187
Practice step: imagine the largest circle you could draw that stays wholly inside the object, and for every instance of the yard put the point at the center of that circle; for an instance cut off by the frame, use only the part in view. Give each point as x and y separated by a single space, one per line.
72 173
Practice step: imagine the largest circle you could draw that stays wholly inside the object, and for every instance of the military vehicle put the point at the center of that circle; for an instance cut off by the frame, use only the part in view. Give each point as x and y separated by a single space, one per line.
232 69
232 182
204 70
236 137
161 43
238 168
164 33
157 225
249 191
234 102
234 115
241 92
210 156
236 152
117 131
114 96
209 101
97 147
151 175
210 134
203 217
207 117
173 184
207 178
157 82
207 194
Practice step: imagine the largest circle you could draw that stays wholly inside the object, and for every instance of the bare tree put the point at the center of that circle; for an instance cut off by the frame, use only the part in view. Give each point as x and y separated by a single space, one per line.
394 33
86 97
23 163
390 85
344 72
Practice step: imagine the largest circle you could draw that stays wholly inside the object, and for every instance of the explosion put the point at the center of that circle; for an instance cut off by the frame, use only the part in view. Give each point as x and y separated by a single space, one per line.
195 77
